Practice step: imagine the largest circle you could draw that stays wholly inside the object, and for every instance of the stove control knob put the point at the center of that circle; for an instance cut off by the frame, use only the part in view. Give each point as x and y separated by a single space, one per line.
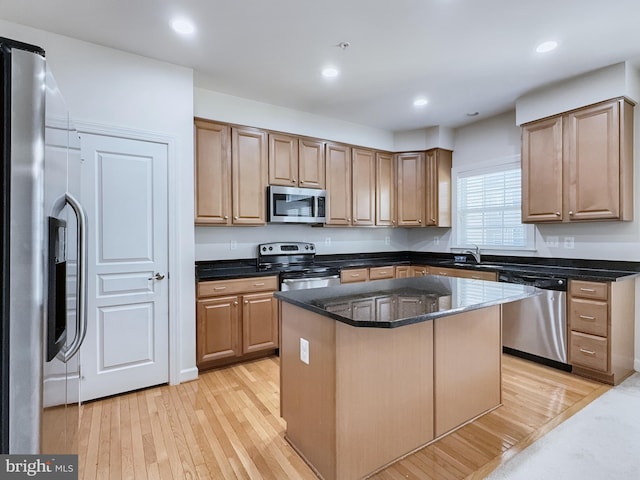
270 248
311 247
306 247
264 249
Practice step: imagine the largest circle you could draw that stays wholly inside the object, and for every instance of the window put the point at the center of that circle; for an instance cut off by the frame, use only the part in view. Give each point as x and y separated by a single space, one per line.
489 203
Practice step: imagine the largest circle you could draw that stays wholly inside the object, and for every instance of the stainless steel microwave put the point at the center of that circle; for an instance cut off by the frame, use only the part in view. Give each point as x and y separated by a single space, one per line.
296 205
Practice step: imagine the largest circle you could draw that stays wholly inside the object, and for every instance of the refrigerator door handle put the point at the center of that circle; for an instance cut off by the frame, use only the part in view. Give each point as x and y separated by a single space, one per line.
81 287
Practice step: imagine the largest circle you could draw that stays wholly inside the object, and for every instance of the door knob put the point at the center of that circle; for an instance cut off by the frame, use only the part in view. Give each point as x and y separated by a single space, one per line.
157 276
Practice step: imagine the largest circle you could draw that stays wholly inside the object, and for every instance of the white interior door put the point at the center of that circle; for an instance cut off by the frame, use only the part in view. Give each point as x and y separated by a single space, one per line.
125 195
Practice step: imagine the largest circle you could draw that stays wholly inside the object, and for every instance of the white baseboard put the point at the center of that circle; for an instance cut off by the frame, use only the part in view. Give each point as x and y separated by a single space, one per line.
188 374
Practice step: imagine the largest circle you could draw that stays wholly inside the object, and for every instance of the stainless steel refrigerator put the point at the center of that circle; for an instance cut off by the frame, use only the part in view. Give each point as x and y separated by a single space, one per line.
43 267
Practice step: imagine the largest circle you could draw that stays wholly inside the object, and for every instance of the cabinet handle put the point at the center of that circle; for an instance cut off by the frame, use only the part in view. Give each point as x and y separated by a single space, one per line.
588 352
355 275
382 273
475 277
219 288
433 220
420 221
235 218
246 302
587 317
590 290
226 217
293 180
557 214
261 284
301 181
235 302
570 212
348 219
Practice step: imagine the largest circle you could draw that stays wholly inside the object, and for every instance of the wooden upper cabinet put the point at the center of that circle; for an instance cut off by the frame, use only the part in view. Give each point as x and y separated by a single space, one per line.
212 173
579 166
385 190
542 173
338 178
296 162
249 167
283 160
363 182
438 187
311 163
599 171
410 201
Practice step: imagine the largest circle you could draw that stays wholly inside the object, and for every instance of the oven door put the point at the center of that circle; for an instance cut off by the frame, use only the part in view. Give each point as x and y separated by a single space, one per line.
304 283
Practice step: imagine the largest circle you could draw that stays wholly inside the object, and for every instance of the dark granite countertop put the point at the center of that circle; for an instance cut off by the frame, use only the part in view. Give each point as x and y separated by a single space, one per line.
394 303
578 269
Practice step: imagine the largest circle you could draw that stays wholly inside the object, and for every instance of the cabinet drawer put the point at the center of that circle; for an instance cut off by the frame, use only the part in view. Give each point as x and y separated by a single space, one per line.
589 351
595 290
588 316
237 285
354 275
378 273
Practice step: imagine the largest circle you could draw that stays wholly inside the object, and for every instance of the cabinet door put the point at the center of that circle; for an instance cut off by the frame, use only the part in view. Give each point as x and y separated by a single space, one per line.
385 190
419 271
259 322
311 163
218 330
592 155
403 271
283 160
249 175
338 158
363 172
212 174
410 189
542 172
438 188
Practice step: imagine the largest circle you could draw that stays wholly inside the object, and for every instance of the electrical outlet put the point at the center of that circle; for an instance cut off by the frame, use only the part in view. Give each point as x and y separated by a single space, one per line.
387 240
304 350
568 242
233 245
327 242
552 241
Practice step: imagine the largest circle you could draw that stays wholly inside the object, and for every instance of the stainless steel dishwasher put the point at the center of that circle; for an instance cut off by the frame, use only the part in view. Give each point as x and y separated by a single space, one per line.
536 328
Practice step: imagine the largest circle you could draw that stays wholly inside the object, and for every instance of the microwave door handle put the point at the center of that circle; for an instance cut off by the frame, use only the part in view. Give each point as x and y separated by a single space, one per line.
81 286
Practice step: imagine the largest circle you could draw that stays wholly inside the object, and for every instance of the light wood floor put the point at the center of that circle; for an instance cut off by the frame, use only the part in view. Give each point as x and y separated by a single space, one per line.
226 425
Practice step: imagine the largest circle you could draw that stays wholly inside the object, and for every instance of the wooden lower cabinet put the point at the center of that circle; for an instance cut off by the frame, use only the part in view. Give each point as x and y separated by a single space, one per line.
463 273
419 271
403 271
601 329
236 320
354 275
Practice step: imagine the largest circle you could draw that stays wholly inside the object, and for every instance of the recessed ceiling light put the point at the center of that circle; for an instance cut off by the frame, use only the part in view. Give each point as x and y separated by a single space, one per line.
183 26
330 72
419 102
546 46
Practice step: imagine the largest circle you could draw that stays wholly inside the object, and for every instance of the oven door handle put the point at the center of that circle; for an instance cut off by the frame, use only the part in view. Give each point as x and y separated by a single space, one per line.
306 279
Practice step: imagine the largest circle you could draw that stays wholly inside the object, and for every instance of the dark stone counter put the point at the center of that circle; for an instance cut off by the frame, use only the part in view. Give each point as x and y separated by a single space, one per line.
394 303
577 269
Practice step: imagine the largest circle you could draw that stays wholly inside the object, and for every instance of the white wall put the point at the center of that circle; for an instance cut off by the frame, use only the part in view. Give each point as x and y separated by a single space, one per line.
592 87
223 243
230 109
116 89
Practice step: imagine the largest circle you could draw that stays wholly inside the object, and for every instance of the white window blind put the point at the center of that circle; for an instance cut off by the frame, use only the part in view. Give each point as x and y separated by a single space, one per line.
489 208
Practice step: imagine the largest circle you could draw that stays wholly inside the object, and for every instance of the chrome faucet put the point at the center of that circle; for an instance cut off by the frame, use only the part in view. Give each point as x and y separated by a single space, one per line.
475 253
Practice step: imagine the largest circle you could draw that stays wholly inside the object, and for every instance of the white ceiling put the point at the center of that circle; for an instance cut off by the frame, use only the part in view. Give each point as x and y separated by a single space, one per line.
463 55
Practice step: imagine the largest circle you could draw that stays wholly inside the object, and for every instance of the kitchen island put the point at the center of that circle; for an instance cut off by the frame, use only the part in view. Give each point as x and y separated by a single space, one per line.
371 372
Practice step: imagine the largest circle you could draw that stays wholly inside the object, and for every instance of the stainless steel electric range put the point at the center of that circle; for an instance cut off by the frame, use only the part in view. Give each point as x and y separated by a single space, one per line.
295 263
